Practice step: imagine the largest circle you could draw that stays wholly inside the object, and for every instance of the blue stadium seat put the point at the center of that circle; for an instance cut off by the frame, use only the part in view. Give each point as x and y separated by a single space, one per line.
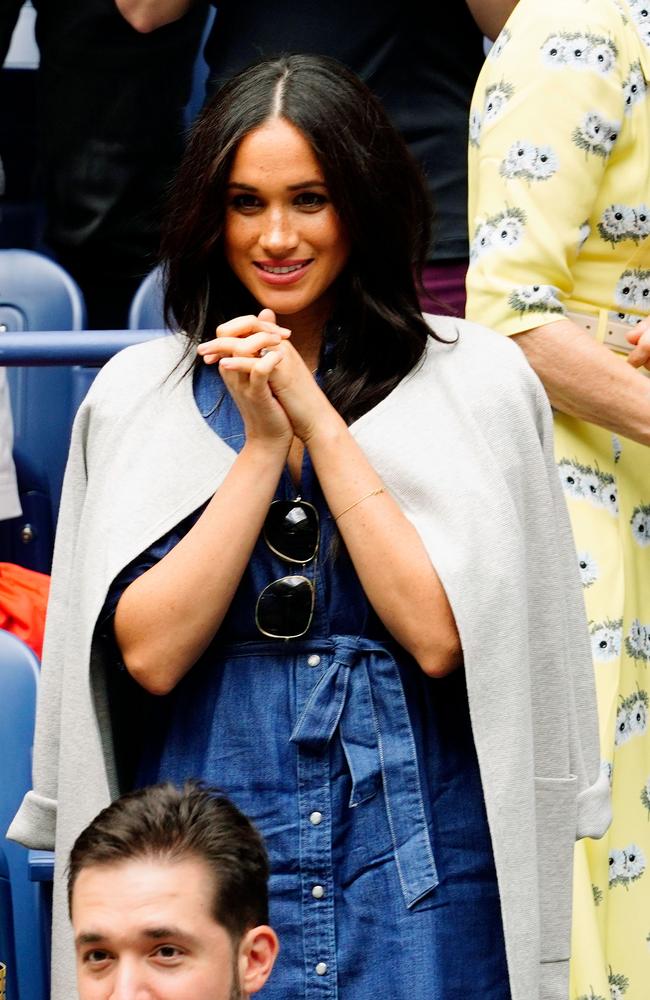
18 684
37 294
147 312
7 949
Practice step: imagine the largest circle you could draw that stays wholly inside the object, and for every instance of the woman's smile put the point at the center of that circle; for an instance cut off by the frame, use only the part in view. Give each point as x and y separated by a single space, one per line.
285 273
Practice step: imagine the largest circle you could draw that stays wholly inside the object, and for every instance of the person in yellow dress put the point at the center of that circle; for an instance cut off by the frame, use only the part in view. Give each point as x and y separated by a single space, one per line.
559 217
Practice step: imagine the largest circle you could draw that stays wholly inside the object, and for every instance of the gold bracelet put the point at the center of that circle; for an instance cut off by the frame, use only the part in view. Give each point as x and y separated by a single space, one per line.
373 493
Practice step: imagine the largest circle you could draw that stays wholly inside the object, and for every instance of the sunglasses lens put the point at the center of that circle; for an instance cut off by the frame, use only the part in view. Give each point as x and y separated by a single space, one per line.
284 608
291 530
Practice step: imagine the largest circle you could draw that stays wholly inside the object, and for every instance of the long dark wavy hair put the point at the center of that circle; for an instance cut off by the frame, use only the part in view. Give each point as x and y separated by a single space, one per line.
377 333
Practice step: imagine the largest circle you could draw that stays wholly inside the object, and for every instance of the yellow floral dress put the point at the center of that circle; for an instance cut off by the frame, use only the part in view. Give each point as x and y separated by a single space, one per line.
559 216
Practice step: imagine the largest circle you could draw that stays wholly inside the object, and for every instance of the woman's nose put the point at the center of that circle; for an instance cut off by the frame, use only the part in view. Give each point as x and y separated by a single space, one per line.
278 236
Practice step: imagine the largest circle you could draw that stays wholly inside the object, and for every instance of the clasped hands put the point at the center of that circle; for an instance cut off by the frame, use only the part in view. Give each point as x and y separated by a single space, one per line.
272 386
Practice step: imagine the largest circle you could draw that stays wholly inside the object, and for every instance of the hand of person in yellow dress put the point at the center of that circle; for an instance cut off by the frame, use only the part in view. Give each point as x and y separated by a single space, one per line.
640 338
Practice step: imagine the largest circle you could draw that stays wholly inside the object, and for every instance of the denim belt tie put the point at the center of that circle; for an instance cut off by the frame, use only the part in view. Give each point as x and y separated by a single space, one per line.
378 743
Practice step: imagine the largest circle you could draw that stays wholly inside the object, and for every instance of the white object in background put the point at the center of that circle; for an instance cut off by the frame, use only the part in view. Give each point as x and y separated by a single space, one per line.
9 500
23 51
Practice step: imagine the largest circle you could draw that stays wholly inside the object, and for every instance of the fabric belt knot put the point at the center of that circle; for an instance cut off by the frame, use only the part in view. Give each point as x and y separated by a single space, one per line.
361 694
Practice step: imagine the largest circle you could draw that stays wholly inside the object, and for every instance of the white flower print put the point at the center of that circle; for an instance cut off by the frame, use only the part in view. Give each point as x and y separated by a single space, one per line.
519 160
483 240
592 486
606 639
637 641
625 222
634 864
595 134
639 714
634 87
616 863
500 43
555 50
640 522
632 717
497 96
582 482
608 494
601 55
623 727
633 290
641 227
617 448
640 10
645 796
509 230
626 865
618 985
607 769
498 231
571 478
583 235
526 160
588 569
579 50
475 127
546 163
535 298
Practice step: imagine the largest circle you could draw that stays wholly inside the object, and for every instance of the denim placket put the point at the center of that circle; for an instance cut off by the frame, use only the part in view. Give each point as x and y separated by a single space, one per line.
316 877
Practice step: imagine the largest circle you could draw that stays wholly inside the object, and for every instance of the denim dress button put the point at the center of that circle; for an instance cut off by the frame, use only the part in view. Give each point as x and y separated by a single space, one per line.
318 892
315 818
321 968
313 660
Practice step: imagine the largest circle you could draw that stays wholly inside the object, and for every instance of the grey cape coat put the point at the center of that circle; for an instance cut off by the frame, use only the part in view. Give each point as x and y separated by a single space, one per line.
476 475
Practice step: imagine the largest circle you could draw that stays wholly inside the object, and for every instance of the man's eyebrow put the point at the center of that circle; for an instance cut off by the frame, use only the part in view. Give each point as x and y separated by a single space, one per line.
89 937
153 933
158 933
291 187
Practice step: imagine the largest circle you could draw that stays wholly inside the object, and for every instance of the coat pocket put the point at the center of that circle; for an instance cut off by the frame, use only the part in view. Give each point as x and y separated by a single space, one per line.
556 807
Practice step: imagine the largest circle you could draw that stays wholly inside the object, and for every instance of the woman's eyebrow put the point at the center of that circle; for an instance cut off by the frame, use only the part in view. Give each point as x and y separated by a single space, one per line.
290 187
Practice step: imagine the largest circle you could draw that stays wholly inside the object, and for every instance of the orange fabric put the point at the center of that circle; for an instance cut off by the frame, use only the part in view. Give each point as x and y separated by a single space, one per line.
23 603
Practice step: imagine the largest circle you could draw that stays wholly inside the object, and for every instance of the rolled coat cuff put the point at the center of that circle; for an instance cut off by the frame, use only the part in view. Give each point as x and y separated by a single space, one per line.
34 825
594 809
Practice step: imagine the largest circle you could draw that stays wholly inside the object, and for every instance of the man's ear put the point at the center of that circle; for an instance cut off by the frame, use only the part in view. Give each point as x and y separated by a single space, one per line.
258 951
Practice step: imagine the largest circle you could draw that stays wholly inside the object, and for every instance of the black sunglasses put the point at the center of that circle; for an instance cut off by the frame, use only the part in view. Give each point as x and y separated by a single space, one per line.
285 608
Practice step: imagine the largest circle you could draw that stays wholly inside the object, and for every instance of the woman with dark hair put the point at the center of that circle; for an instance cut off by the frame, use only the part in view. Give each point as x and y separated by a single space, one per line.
326 536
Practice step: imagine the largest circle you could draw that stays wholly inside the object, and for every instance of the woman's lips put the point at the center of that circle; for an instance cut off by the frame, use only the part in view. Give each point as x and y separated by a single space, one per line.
285 272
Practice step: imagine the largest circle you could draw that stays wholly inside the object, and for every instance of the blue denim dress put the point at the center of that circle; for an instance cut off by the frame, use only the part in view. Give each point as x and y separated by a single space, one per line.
359 771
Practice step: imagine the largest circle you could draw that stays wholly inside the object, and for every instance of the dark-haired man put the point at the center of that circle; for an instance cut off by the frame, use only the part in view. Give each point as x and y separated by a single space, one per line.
167 891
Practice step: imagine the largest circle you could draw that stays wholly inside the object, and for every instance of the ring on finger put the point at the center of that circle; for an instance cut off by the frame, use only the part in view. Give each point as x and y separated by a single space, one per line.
263 351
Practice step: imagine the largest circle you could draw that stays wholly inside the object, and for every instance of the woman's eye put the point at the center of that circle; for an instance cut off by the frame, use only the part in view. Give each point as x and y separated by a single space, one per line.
245 202
310 199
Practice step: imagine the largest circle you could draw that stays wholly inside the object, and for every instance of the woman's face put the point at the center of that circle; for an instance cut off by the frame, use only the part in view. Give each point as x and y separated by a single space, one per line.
283 237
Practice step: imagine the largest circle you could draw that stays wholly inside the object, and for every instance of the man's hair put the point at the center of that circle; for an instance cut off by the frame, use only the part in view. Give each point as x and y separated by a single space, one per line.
167 823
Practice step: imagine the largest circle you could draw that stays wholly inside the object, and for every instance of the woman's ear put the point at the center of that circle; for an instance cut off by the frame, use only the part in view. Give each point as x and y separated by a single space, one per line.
258 951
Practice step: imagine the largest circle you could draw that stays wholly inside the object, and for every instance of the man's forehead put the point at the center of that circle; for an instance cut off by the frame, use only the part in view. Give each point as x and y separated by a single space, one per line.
150 893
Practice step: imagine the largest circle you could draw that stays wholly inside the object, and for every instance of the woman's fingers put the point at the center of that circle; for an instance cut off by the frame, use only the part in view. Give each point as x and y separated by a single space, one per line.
258 369
243 326
236 347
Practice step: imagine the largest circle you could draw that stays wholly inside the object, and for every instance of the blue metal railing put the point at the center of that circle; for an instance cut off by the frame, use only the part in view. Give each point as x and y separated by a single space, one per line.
68 347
